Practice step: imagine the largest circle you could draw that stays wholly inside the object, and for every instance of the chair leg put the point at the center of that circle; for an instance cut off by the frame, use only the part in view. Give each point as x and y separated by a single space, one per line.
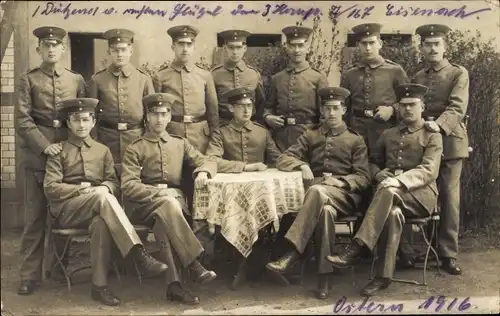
117 272
139 276
59 258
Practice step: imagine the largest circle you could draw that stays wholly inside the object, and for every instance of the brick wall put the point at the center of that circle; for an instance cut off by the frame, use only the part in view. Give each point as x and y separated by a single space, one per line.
7 132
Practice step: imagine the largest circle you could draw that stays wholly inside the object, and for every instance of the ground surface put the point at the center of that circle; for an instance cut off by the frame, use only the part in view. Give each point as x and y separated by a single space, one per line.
479 259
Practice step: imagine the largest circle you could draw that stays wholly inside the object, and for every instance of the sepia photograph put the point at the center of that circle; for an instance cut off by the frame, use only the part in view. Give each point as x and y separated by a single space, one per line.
250 157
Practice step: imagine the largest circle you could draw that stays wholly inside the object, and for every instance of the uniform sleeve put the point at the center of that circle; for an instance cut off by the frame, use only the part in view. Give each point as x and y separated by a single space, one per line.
211 103
110 178
322 83
53 186
457 104
295 156
272 102
377 156
260 98
131 182
81 93
427 171
216 150
272 151
26 127
199 161
359 179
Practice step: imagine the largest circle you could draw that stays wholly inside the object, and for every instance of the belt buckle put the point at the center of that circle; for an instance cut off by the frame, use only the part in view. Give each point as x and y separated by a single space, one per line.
290 121
162 186
85 184
122 126
369 113
188 119
397 172
56 123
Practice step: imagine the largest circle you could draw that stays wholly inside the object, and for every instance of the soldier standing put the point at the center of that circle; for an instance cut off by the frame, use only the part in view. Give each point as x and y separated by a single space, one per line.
81 184
335 158
293 104
41 130
372 82
151 178
235 73
119 89
446 105
405 162
195 113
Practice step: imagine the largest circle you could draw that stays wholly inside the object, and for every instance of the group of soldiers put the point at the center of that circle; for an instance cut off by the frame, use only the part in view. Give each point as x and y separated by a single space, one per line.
377 143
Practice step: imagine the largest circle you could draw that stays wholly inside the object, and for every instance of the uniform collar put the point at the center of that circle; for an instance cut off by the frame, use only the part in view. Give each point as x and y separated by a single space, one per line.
373 63
49 70
412 129
248 126
78 142
179 66
298 68
335 130
125 70
239 65
155 138
440 65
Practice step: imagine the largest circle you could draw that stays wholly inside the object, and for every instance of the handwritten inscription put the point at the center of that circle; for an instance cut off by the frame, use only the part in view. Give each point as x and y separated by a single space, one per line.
433 303
68 9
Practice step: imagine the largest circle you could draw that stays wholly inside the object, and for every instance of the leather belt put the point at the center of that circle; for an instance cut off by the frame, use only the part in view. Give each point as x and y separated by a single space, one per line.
48 123
120 126
189 118
363 113
290 121
163 185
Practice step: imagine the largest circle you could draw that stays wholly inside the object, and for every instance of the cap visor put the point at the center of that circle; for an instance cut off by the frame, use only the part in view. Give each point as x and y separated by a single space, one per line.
409 100
332 102
184 40
244 101
297 41
51 41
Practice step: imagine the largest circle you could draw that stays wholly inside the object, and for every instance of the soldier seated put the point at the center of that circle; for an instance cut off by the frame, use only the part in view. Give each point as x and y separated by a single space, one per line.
151 176
334 158
405 164
242 145
80 184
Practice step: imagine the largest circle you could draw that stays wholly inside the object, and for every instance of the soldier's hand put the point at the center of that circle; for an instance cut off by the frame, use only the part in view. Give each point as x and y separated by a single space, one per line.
383 113
258 166
201 180
307 173
334 182
390 182
432 126
275 121
53 149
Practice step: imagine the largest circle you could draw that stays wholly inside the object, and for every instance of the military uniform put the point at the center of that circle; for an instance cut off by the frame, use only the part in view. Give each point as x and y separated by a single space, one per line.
336 152
371 84
152 164
293 96
411 155
83 164
236 145
228 76
195 113
120 91
39 125
447 102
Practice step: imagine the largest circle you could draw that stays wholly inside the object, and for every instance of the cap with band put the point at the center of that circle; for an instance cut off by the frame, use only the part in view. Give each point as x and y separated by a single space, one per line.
156 100
367 30
333 95
50 33
297 34
77 108
410 93
234 36
183 33
116 36
432 30
241 95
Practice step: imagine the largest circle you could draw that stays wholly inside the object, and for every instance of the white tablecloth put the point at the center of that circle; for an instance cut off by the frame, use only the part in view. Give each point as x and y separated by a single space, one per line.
242 204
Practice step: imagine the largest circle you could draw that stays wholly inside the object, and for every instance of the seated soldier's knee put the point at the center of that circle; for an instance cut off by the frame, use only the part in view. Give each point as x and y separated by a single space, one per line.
98 224
330 210
170 206
315 190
